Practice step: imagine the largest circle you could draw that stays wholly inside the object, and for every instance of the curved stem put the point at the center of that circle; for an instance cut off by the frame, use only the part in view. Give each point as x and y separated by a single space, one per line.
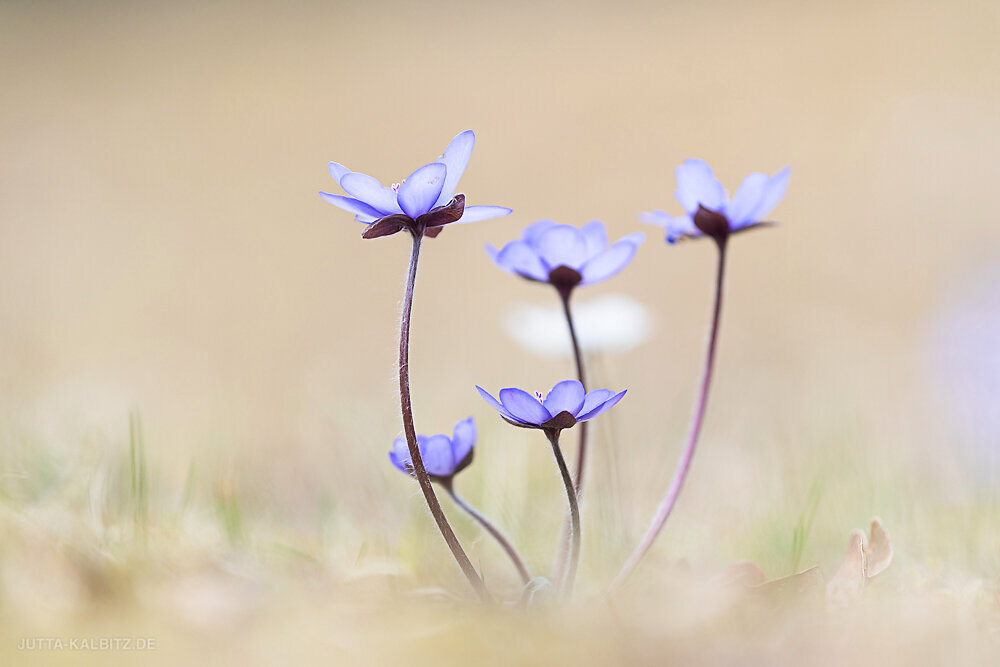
574 513
670 499
420 472
491 529
581 453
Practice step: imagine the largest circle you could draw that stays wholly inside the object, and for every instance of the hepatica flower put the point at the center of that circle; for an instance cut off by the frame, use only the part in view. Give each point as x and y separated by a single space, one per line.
565 256
563 407
423 202
443 457
708 210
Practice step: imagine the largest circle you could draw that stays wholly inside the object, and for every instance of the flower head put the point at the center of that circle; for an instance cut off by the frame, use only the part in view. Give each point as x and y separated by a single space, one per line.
563 407
708 210
443 457
565 256
424 201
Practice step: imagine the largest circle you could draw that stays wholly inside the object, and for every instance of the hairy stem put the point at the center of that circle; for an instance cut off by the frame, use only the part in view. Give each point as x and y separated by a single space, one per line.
670 499
581 453
574 513
420 472
491 529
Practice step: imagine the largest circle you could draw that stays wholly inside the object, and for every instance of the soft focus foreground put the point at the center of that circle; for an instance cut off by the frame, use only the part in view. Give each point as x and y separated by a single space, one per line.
197 389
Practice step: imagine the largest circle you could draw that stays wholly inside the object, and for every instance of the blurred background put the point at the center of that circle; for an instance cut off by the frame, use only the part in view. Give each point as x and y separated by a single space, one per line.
164 257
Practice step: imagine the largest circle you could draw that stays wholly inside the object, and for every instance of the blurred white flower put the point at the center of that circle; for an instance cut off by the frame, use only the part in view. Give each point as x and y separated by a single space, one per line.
613 322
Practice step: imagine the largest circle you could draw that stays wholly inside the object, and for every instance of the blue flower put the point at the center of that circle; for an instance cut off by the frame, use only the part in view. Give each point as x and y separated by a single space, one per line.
708 210
424 200
443 456
564 406
565 256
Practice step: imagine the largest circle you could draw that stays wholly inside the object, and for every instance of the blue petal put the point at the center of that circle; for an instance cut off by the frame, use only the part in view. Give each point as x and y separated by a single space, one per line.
524 406
746 200
612 260
479 212
351 205
495 403
773 193
456 159
595 238
531 233
463 439
602 408
337 171
567 395
562 245
438 456
594 398
369 190
697 184
420 190
400 454
520 258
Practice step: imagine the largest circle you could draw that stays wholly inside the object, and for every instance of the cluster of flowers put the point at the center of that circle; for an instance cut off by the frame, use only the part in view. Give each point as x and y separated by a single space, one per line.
564 257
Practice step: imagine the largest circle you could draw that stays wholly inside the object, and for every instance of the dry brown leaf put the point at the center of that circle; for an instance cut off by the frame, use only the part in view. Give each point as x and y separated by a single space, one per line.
796 585
878 553
849 580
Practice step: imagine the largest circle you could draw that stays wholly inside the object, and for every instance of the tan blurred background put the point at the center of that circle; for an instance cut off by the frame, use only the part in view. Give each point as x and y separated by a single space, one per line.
162 247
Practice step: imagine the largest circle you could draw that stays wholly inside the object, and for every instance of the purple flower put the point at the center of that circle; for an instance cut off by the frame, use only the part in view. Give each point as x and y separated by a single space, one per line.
565 256
564 406
708 210
443 456
424 200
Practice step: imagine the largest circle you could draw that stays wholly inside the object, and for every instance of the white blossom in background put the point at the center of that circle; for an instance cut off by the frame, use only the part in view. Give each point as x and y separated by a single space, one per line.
608 323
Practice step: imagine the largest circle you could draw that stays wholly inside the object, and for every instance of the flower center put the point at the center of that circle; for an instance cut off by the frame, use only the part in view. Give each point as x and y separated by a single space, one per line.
540 397
395 186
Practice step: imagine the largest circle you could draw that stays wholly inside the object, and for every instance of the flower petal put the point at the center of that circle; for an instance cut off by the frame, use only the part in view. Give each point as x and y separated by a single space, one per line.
594 398
463 438
495 403
421 189
524 406
697 184
400 455
369 190
438 456
456 159
746 199
567 395
531 233
772 195
595 238
480 212
351 205
337 171
602 408
520 258
612 260
562 245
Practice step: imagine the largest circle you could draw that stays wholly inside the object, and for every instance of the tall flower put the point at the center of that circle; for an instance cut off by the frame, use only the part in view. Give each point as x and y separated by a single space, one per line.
565 256
423 202
708 210
563 407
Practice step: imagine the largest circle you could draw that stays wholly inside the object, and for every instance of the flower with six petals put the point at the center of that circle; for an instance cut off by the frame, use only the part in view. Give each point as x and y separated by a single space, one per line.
423 203
708 210
565 256
563 407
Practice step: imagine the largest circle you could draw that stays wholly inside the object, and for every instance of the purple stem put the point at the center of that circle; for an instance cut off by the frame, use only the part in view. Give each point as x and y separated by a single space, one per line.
574 513
670 499
581 455
491 529
411 434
